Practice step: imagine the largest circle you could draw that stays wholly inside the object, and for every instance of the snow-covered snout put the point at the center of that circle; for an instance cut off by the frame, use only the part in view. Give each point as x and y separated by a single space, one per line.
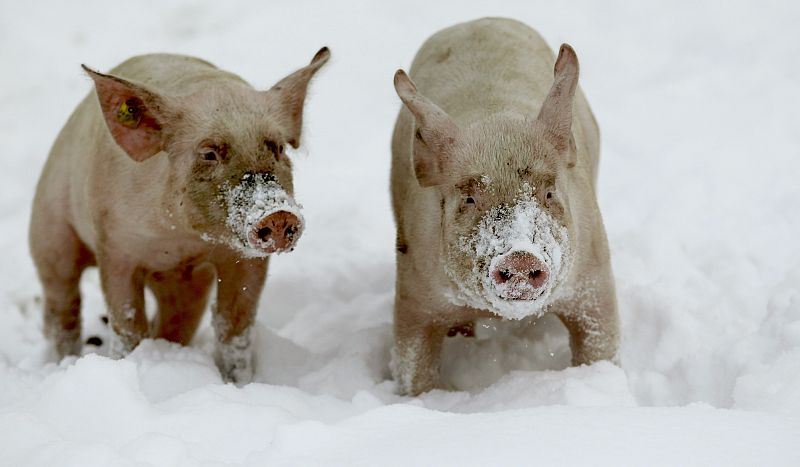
512 261
263 215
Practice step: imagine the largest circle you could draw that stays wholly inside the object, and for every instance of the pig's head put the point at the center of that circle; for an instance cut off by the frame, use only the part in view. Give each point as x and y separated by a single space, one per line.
229 180
503 185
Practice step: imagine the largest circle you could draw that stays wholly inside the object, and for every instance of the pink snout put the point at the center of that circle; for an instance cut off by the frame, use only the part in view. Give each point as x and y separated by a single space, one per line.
520 275
276 233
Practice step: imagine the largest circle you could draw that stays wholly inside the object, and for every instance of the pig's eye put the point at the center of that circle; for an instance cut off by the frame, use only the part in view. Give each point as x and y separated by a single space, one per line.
209 155
550 197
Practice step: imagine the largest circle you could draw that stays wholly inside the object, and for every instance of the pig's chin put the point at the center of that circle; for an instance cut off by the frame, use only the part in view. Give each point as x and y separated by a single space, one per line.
522 227
237 244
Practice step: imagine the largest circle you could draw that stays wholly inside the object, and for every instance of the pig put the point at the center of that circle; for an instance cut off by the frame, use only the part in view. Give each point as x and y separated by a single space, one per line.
493 180
173 175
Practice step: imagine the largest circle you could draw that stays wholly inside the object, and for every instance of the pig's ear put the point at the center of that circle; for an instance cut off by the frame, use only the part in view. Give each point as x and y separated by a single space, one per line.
435 134
132 113
556 113
291 95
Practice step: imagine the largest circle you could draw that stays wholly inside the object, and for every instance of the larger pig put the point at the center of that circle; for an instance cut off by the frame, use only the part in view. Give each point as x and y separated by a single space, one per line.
493 186
171 174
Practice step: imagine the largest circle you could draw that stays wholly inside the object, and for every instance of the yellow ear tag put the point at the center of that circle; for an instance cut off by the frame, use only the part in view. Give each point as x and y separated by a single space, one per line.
129 115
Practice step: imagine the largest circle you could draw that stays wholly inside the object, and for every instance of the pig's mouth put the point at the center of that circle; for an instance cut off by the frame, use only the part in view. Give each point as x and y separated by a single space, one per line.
262 217
518 255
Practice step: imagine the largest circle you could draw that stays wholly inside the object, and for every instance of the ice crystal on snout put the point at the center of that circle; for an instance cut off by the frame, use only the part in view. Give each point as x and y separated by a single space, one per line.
519 227
255 197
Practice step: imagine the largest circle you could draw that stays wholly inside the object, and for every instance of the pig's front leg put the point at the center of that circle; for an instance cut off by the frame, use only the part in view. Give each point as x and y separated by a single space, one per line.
591 319
417 348
123 286
240 282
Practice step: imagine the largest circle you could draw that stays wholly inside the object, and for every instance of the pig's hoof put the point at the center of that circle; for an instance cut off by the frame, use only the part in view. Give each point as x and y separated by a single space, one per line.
238 372
239 376
119 347
64 342
235 363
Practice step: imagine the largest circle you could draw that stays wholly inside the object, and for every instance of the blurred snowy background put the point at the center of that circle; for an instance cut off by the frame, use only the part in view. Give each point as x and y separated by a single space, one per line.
698 110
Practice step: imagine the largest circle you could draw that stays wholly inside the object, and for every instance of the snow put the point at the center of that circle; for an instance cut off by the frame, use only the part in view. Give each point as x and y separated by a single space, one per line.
698 188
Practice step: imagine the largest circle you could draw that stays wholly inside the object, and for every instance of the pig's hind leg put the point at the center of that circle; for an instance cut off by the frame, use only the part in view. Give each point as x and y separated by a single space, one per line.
182 296
60 258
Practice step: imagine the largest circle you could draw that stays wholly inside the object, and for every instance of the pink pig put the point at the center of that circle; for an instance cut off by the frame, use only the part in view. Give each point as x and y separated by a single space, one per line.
494 169
173 174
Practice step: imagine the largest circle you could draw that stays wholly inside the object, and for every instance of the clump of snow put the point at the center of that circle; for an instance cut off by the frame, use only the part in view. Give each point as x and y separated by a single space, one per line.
255 197
521 227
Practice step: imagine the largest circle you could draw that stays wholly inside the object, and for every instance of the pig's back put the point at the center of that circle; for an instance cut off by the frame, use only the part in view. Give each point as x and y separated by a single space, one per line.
494 65
482 67
172 74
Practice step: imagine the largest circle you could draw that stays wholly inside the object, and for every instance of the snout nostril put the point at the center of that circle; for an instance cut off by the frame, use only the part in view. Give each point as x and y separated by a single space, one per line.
264 233
504 275
289 232
537 278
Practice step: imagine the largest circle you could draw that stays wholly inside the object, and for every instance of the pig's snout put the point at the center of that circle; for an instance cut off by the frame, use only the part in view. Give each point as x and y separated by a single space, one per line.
276 232
520 275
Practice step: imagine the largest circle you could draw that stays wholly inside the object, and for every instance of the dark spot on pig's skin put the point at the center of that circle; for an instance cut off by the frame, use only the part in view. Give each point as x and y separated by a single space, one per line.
186 272
104 319
524 173
443 56
94 340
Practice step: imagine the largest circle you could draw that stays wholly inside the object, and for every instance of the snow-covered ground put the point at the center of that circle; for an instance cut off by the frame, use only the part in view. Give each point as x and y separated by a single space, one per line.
698 110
